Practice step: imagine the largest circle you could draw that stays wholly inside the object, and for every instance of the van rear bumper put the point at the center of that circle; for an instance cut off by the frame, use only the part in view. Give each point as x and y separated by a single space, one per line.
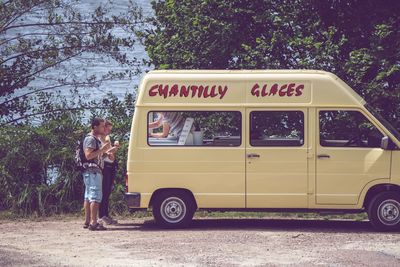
132 199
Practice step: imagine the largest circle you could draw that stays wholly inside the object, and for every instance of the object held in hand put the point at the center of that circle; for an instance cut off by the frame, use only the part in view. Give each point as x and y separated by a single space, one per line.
112 150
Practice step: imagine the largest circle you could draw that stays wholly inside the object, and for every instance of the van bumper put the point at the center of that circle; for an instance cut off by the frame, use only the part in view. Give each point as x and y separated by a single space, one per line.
132 199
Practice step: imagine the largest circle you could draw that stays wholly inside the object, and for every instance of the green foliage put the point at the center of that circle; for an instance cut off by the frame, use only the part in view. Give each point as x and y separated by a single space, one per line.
30 154
357 40
37 169
286 124
216 123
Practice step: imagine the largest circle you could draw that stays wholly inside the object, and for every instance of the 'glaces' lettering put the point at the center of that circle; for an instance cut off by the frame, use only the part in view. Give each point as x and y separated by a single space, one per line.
281 90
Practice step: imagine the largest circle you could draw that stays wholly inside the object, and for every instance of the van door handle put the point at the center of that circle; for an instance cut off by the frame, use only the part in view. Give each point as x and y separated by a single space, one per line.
252 155
322 156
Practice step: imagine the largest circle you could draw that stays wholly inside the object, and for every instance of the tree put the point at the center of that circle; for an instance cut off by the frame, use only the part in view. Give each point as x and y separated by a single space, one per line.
46 46
357 40
45 49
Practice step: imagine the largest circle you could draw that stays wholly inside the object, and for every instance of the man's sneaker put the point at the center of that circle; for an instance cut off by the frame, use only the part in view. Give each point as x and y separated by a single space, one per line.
113 221
106 220
97 227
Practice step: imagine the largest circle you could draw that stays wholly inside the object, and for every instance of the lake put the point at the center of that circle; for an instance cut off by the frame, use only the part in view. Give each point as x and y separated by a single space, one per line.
85 66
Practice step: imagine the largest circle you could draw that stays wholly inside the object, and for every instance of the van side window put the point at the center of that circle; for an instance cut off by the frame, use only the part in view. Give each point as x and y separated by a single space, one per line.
194 128
340 128
277 128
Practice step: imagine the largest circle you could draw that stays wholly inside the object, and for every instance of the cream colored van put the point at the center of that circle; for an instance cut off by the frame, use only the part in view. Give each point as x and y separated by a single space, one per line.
289 140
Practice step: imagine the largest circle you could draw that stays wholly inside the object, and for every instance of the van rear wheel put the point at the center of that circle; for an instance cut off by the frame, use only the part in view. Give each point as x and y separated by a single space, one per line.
384 211
173 209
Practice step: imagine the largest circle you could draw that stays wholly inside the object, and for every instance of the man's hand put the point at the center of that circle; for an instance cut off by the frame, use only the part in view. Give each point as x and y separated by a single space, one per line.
112 149
105 147
111 156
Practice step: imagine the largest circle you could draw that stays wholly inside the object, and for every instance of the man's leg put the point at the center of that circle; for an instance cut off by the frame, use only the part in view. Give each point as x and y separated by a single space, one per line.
113 173
86 206
96 194
86 203
107 190
94 207
101 206
95 199
105 201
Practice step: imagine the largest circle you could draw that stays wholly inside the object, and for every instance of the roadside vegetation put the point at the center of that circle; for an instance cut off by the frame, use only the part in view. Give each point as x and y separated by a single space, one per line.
357 40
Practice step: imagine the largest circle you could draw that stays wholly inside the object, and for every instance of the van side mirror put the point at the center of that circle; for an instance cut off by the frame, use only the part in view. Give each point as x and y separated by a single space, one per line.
387 143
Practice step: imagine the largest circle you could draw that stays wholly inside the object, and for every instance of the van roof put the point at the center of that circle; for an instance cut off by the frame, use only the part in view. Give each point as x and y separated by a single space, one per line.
281 71
246 88
243 70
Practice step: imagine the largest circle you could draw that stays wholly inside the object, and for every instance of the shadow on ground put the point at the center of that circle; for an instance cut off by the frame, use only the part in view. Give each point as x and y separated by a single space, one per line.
295 225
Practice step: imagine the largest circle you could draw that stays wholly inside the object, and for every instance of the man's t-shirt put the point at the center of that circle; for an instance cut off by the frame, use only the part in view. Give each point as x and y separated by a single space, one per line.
175 121
90 142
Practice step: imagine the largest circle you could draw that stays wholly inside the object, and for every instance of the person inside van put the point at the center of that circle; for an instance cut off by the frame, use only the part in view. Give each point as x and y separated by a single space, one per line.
171 122
109 173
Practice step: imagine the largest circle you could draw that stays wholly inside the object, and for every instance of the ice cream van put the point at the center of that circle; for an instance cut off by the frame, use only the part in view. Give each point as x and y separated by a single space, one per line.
255 140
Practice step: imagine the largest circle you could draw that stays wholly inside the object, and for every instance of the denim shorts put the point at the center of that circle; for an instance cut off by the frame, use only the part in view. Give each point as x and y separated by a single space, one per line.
93 185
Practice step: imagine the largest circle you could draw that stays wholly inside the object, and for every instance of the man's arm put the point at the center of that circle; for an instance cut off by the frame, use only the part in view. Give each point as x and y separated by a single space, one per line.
164 133
156 124
91 153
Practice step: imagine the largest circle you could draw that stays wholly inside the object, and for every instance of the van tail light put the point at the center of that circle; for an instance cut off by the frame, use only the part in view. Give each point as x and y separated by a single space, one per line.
126 183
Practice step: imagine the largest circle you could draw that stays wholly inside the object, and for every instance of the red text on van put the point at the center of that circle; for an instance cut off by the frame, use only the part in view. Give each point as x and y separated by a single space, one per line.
199 91
282 90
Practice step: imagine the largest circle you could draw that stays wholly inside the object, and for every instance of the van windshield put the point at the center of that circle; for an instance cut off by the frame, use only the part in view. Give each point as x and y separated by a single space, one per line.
385 123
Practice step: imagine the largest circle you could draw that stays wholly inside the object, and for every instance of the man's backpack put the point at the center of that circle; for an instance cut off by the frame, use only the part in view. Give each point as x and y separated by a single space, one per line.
80 158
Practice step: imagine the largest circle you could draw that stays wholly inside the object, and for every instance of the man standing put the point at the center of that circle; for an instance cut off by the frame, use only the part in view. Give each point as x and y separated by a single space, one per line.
92 174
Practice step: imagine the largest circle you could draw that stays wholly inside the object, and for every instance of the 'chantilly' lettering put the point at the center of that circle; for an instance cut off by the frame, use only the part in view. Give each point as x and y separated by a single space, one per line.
199 91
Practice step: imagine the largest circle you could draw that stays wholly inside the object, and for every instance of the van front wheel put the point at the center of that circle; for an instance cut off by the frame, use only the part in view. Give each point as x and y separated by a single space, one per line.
384 211
173 209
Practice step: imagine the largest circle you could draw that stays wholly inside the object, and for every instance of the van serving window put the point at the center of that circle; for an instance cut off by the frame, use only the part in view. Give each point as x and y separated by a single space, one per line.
277 128
194 128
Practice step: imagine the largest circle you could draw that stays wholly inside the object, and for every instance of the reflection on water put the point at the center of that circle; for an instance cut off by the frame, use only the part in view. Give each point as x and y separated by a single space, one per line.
85 66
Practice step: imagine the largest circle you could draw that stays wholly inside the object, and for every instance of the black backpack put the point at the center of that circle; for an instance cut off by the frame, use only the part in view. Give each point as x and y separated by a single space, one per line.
80 158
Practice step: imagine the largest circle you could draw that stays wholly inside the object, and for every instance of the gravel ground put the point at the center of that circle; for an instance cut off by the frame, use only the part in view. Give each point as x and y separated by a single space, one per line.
208 242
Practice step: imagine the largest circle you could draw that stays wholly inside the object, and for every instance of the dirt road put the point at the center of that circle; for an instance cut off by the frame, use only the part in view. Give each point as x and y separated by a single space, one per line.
208 242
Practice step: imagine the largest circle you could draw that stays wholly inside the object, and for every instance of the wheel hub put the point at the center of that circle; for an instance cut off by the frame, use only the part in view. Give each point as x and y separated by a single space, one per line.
173 209
389 212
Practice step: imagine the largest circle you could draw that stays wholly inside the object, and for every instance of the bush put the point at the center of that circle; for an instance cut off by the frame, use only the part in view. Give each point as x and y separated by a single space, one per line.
37 167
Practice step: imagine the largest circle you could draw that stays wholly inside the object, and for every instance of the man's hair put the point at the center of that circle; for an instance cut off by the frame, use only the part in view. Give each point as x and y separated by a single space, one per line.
108 123
96 121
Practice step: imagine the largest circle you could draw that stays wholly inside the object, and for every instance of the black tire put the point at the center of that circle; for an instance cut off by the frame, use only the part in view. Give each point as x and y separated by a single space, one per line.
173 209
384 211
